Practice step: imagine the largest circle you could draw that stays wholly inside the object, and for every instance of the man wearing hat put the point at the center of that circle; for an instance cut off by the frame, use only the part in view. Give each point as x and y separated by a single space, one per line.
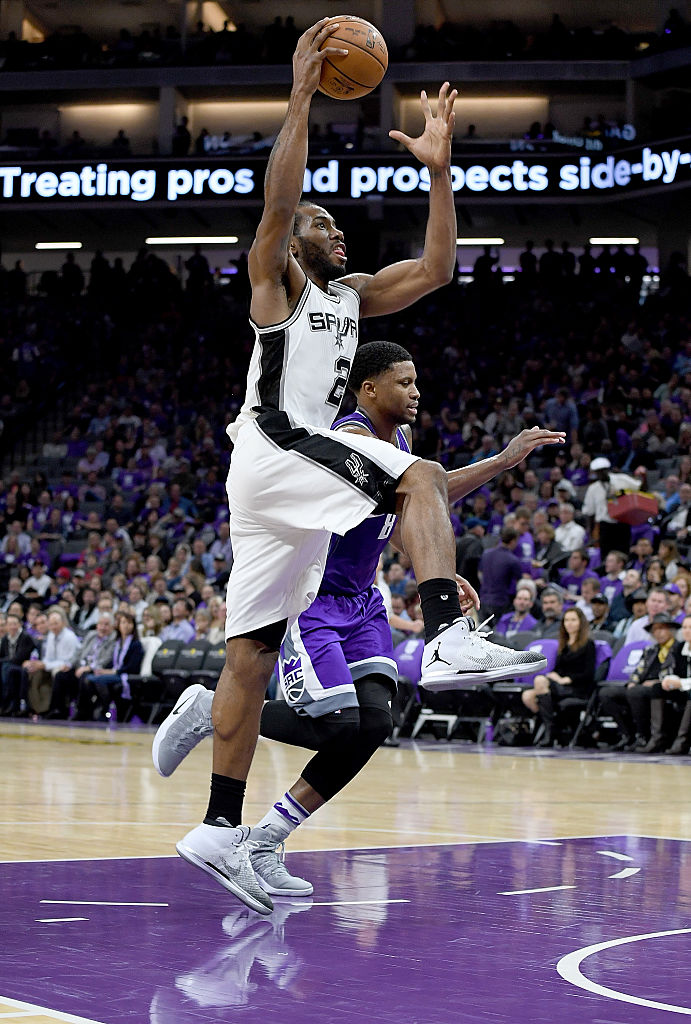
605 485
640 723
635 609
599 606
675 602
655 604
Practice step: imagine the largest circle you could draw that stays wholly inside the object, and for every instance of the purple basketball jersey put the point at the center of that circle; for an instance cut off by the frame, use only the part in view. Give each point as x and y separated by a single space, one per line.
352 561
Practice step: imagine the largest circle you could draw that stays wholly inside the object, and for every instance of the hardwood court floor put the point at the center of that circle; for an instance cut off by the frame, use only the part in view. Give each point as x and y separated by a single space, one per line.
77 792
452 885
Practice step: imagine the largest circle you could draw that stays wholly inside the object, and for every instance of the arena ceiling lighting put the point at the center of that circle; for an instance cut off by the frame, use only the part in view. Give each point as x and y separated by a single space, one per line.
479 241
193 240
58 245
614 241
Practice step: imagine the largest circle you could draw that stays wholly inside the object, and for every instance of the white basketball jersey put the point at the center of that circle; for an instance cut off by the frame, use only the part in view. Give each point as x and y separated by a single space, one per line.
301 365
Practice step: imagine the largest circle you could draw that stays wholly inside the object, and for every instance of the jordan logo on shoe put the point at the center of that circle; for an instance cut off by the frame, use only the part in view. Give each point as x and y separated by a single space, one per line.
436 657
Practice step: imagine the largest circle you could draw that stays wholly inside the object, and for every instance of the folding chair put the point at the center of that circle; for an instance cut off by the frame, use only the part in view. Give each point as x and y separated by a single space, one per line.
147 691
586 707
212 666
408 658
150 644
187 665
510 708
619 670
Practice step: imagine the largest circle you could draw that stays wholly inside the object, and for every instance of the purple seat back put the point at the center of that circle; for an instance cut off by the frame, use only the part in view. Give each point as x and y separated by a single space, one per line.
625 660
408 658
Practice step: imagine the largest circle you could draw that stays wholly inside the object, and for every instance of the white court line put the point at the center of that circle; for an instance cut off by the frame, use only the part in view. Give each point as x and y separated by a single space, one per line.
356 903
103 903
626 873
611 853
45 1011
57 920
569 968
526 892
541 842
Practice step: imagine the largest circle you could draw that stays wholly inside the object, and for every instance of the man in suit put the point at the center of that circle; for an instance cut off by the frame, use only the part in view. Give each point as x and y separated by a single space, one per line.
15 648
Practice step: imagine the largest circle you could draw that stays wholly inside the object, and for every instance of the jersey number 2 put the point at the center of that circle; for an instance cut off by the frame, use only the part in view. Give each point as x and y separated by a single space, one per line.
342 368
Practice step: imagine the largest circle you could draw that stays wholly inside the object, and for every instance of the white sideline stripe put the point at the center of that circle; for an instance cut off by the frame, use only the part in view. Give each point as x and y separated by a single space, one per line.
569 968
526 892
356 903
611 853
103 903
57 920
626 873
45 1011
541 842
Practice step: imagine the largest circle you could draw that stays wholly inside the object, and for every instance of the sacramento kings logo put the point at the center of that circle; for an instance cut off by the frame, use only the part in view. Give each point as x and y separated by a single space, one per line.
293 680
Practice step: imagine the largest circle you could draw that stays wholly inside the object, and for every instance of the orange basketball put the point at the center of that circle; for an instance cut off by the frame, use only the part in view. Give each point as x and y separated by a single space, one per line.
362 69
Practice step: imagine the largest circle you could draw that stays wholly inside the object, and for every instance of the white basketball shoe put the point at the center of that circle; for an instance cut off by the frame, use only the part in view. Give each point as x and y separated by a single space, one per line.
268 861
186 726
224 853
461 654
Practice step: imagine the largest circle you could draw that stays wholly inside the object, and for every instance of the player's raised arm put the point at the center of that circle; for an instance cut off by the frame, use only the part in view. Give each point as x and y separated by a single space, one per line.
401 284
467 479
268 257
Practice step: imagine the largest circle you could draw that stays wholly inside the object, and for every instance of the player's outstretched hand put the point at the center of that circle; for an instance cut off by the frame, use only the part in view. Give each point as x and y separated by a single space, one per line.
433 147
520 446
308 58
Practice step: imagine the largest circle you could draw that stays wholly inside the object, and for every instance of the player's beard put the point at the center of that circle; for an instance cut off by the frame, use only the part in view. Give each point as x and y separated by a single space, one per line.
317 261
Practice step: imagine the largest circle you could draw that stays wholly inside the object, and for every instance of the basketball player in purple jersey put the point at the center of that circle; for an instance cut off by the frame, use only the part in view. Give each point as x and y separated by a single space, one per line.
336 662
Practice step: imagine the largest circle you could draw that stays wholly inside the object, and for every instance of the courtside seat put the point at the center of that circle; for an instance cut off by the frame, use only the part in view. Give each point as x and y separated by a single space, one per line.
147 690
212 666
408 658
187 664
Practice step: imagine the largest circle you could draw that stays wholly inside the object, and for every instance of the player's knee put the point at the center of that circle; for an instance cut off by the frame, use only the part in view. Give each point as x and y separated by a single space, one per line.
339 729
427 475
376 725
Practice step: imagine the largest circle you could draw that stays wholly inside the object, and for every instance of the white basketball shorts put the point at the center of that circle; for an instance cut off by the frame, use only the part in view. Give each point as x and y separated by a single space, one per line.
289 488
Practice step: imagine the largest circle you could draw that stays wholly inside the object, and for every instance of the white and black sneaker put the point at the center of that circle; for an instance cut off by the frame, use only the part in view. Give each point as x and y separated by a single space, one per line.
186 726
462 654
224 853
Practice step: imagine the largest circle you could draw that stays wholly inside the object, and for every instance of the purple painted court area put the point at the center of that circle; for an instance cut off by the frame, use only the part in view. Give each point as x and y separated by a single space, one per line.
464 947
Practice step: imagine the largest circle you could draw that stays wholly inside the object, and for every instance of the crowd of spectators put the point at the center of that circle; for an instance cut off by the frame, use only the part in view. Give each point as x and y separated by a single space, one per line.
275 43
123 510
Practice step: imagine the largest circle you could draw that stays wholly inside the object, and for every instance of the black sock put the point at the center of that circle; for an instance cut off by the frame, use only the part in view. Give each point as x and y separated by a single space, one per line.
226 800
440 605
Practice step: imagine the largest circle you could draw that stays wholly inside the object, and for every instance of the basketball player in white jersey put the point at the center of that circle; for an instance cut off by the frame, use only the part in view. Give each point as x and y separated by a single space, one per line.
293 482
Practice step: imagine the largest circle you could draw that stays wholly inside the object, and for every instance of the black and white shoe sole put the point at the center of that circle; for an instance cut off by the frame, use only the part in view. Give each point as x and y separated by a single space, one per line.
457 681
198 862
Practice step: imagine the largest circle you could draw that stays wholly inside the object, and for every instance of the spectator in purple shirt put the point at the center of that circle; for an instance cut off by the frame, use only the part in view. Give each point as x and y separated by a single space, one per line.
525 549
500 571
611 583
520 618
571 578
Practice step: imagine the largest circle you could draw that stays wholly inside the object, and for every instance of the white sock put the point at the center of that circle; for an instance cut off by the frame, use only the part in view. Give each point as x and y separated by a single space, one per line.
283 818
